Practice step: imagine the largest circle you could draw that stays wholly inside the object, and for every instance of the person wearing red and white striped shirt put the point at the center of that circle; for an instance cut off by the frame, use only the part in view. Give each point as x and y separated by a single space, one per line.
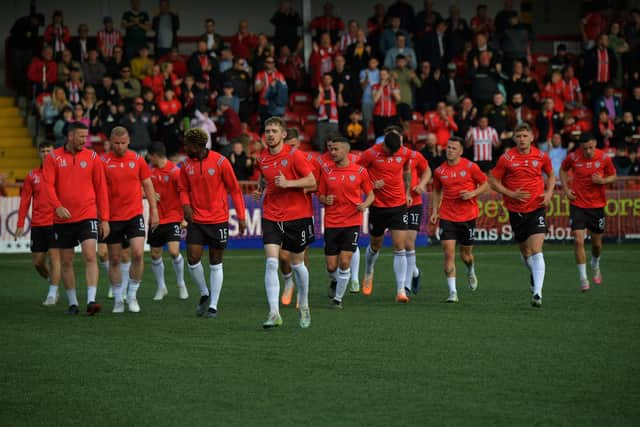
386 95
483 138
108 38
350 37
572 91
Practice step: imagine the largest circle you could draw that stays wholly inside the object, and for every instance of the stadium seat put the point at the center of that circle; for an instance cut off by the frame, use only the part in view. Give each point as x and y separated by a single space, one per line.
292 118
297 98
417 116
308 116
309 128
371 133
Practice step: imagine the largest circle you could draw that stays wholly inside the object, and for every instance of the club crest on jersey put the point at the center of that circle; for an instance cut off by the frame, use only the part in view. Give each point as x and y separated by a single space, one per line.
83 164
398 159
534 163
211 171
166 178
132 165
597 164
463 173
284 162
36 179
352 178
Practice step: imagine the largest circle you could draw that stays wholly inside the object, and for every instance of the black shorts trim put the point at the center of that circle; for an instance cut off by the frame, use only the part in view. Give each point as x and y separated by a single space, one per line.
343 239
527 224
120 231
461 232
414 217
380 219
41 238
292 236
593 219
164 233
216 236
70 235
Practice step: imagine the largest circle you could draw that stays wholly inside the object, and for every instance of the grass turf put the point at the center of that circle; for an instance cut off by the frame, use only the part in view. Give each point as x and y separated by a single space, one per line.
491 359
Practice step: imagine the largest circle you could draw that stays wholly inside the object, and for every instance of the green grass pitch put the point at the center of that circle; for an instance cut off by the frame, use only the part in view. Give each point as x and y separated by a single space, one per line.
491 359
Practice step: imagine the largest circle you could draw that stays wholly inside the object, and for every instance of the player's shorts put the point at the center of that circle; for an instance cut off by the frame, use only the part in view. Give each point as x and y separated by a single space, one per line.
461 232
591 219
121 231
343 239
41 238
70 235
527 224
485 165
101 240
392 218
293 236
163 234
415 217
216 236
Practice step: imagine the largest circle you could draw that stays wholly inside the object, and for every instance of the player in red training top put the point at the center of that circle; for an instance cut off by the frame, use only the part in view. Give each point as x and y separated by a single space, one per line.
127 174
33 193
457 184
592 171
342 184
77 190
206 179
389 167
287 217
165 177
518 177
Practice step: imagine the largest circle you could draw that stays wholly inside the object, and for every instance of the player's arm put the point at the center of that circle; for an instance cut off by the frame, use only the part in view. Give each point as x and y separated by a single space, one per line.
368 201
102 196
233 188
482 185
367 188
495 182
184 188
25 200
49 176
406 175
425 177
610 174
308 181
551 180
564 180
436 199
150 194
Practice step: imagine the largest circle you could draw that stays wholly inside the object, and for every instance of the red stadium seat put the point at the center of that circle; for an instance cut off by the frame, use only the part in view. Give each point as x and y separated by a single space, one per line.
308 116
310 129
417 116
292 118
297 98
371 133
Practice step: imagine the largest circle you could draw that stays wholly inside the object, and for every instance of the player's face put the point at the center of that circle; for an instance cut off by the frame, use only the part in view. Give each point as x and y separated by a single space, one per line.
44 151
274 135
523 140
294 142
454 151
120 144
588 149
338 151
193 150
78 138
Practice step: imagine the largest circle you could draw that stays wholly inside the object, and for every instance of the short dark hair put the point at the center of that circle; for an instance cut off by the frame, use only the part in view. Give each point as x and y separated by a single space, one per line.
341 139
158 148
292 133
275 120
45 144
392 141
458 139
76 126
524 126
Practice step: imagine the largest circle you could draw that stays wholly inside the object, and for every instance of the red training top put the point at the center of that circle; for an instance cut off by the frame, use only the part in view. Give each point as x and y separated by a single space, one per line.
382 166
418 166
41 212
465 176
166 182
589 195
124 179
347 184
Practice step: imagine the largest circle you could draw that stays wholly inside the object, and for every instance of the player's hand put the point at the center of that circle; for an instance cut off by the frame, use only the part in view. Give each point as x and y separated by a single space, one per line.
378 184
104 229
256 195
520 195
466 195
434 217
242 226
19 233
154 220
361 207
409 199
188 213
420 188
157 196
281 181
597 179
329 200
546 199
63 212
183 224
570 194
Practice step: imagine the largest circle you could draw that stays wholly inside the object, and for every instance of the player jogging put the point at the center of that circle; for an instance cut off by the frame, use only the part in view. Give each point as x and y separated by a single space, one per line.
592 171
518 177
457 184
206 179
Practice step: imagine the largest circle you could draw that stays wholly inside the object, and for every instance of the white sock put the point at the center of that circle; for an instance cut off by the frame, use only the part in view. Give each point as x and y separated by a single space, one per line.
411 266
157 266
132 289
400 268
118 291
302 280
124 270
53 290
355 264
216 275
288 280
178 268
272 285
105 266
91 293
582 271
536 262
197 274
595 262
71 296
343 280
333 275
416 271
471 269
370 259
451 283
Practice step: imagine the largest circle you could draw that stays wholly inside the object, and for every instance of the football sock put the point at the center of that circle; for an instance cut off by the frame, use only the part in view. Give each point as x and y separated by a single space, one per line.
53 290
197 274
416 271
333 275
157 266
411 266
343 279
71 296
91 293
132 290
582 271
287 279
272 284
471 269
216 276
355 264
124 270
118 291
370 259
451 283
536 262
302 280
400 268
178 268
595 262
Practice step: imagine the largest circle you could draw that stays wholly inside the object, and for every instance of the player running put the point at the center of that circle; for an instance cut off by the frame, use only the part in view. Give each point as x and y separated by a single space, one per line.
77 190
127 174
35 194
206 179
457 184
592 171
518 177
165 177
287 219
342 184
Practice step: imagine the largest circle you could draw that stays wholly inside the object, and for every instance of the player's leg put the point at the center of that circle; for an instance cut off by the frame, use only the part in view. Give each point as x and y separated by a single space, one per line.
272 284
115 276
596 252
136 248
581 258
157 267
125 267
411 281
69 279
399 239
535 258
173 247
449 250
354 281
301 275
216 277
518 227
39 260
344 275
89 249
287 277
54 276
370 257
466 237
332 271
196 270
103 260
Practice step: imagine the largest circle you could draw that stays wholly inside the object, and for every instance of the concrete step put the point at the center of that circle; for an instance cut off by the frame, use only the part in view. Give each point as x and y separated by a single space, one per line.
18 154
16 142
12 122
6 101
15 173
18 162
6 132
9 112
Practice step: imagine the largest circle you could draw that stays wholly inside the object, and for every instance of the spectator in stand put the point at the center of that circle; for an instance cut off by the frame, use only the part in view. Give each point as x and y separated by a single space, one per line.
604 129
426 19
515 44
431 152
560 60
355 131
503 17
632 104
408 82
458 32
453 85
24 39
228 97
600 67
286 22
620 48
626 129
326 23
128 87
117 62
482 22
136 24
242 87
214 40
203 121
54 105
349 37
592 26
231 127
405 12
142 65
168 130
442 125
386 95
187 96
557 154
481 45
226 60
369 77
634 169
484 79
291 65
141 126
108 38
165 24
572 131
57 34
519 112
572 92
169 104
358 53
65 65
110 117
265 80
74 86
79 116
433 46
203 96
61 124
170 79
344 85
321 59
389 38
548 123
400 48
243 42
484 140
498 115
375 28
93 69
611 102
555 89
241 162
178 64
326 102
429 93
465 118
262 51
621 160
150 104
107 91
203 64
81 45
